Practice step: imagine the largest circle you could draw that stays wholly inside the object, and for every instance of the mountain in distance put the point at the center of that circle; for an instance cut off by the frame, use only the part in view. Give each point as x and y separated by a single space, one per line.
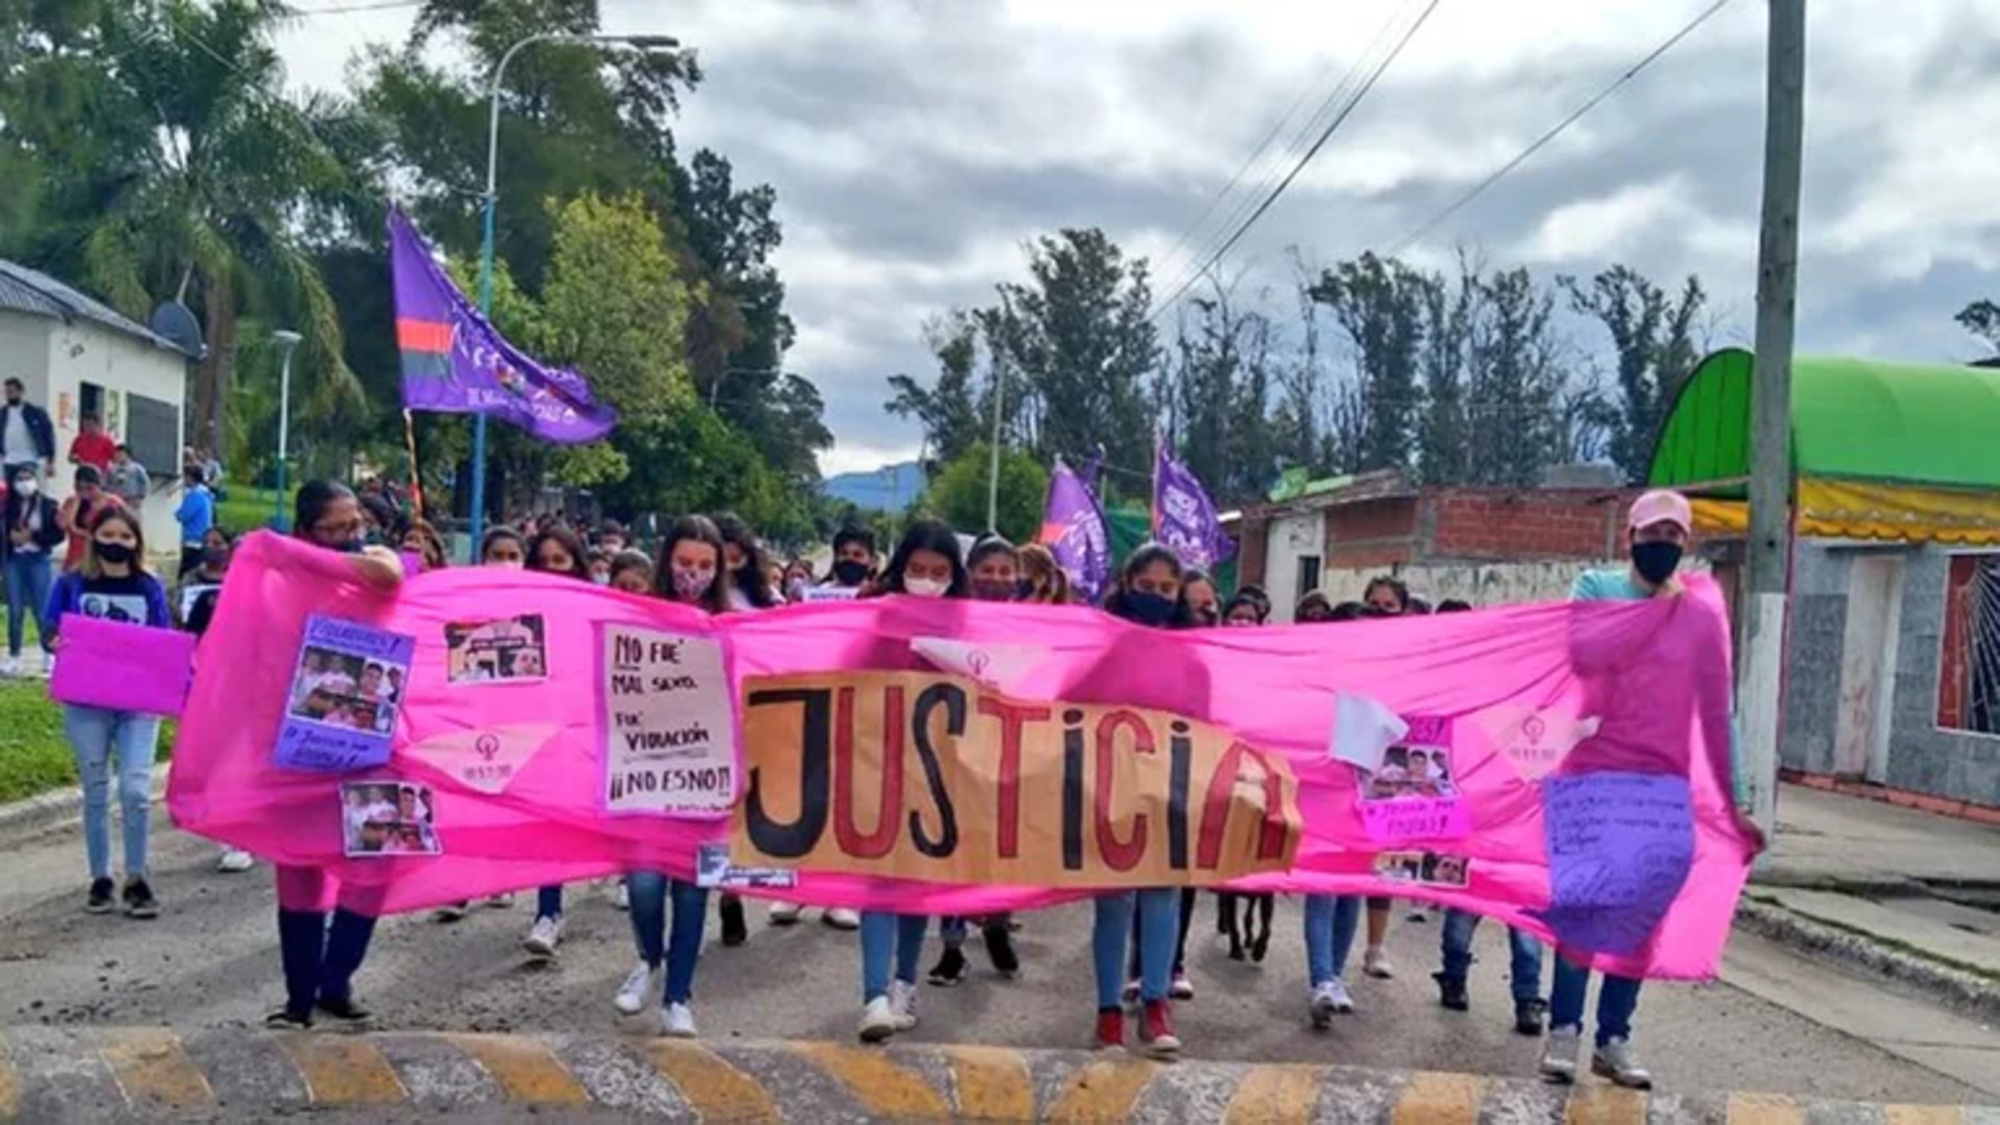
887 489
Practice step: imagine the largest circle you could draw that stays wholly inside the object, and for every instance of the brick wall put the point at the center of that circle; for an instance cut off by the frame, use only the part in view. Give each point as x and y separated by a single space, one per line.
1509 524
1373 533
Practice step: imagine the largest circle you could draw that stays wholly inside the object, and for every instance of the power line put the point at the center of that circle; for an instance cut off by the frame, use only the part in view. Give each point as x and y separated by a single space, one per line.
1325 135
345 9
1459 204
1278 127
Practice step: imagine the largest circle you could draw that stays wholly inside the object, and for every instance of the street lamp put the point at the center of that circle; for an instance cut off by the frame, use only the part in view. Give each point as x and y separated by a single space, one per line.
287 342
636 42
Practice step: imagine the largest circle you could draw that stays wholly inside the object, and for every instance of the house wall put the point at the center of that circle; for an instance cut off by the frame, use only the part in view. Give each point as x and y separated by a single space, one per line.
1922 758
55 359
1290 542
1480 584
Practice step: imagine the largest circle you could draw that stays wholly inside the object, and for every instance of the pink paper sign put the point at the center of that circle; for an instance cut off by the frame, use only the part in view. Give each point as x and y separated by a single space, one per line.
122 667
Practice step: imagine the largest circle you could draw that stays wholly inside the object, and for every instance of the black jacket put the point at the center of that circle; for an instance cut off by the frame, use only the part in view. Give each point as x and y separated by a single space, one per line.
39 427
51 535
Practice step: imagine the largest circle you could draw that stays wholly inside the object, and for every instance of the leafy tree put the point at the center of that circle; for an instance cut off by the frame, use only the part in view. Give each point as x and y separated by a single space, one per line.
947 410
957 494
1379 305
1653 345
1444 435
1982 319
1515 380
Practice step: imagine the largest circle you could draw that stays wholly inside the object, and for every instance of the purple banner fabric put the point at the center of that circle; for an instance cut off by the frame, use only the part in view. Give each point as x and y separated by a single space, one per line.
454 362
1184 518
1073 530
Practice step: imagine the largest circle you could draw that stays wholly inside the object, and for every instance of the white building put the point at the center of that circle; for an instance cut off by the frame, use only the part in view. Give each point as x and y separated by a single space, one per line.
77 356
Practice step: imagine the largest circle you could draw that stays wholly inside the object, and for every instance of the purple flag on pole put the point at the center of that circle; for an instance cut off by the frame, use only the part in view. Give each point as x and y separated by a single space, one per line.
454 362
1074 532
1184 518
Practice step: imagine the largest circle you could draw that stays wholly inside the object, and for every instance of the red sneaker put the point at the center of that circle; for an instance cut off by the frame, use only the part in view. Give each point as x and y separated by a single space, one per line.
1111 1030
1156 1030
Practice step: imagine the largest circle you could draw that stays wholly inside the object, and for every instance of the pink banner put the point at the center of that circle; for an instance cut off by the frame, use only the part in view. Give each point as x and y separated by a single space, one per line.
1564 768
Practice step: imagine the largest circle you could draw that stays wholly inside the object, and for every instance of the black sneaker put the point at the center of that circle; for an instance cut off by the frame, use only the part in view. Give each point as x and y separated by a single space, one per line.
103 895
951 968
286 1019
139 900
1000 947
345 1009
734 930
1452 993
1529 1015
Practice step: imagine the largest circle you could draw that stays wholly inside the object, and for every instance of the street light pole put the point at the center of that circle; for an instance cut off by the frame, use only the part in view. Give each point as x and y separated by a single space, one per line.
1761 674
993 461
492 197
288 342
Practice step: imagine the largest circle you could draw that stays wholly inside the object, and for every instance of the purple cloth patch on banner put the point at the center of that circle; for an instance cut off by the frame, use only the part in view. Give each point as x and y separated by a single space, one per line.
1620 848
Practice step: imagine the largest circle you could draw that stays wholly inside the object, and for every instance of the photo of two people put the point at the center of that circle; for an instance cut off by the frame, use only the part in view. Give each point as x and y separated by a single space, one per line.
511 649
1410 771
381 818
1429 868
346 690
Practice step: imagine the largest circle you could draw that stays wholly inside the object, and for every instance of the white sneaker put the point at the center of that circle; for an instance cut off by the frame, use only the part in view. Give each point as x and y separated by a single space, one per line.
622 897
785 913
903 998
1329 998
234 861
841 918
1616 1062
879 1021
10 668
677 1021
1559 1057
49 666
636 991
1376 964
546 935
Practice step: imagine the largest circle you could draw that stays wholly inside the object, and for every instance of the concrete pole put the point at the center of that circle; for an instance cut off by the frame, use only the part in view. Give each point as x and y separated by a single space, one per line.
1761 675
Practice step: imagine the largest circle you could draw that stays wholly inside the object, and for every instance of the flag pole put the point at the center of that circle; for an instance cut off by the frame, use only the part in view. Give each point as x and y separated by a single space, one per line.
416 472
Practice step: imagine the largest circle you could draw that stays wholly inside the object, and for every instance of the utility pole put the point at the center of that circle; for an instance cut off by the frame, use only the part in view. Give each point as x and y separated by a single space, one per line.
1760 676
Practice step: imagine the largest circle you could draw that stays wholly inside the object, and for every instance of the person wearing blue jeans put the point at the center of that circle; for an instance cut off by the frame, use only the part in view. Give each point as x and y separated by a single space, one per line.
1159 910
1524 974
547 931
1617 1002
679 948
97 737
1331 922
889 1005
33 534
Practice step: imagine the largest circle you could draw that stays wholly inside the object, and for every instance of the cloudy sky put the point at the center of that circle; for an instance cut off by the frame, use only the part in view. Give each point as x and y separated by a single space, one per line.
916 144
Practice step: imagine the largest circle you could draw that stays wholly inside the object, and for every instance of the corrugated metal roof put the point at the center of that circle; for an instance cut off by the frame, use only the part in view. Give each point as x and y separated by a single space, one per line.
36 293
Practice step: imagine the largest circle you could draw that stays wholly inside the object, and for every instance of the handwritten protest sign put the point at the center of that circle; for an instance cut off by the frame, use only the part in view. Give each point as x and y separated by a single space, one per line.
669 729
1620 847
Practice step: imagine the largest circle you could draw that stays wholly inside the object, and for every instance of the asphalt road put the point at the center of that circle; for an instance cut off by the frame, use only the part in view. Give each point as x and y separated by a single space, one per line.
211 961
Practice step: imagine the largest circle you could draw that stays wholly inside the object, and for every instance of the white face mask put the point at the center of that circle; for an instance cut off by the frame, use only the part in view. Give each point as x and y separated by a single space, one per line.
26 487
925 587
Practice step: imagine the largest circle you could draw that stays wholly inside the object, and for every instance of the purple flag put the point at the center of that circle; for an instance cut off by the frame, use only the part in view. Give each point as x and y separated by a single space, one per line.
1184 518
1073 530
454 362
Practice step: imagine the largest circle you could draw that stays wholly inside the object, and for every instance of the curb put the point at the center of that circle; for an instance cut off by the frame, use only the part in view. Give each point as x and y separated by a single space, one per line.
1968 992
40 813
64 1075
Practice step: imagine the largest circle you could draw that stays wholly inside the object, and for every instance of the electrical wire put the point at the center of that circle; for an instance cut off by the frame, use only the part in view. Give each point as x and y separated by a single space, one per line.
346 9
1327 134
1459 204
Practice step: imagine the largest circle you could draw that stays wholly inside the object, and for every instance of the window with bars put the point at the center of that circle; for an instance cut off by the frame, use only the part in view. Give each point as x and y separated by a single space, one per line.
1969 678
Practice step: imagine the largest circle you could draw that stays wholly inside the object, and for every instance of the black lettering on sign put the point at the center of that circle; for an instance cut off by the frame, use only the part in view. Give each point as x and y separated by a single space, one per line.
797 838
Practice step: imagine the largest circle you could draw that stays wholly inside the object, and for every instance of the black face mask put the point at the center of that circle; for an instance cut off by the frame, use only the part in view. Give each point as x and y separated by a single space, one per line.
350 547
1149 609
991 590
847 572
117 554
1656 561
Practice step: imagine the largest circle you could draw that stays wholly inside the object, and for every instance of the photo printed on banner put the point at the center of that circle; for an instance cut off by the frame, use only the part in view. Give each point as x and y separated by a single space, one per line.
508 650
346 691
388 818
1414 795
669 723
1430 869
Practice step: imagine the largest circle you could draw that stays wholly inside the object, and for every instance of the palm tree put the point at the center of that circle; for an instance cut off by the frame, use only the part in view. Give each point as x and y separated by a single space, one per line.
200 183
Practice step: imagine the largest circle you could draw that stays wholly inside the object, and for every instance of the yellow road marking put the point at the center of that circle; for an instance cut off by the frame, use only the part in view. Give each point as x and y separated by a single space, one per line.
1438 1099
1765 1109
1102 1091
1921 1115
717 1090
343 1070
992 1083
1595 1104
525 1069
1279 1095
154 1070
10 1086
883 1087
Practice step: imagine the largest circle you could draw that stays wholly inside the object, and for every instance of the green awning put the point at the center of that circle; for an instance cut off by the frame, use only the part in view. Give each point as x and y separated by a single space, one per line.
1852 419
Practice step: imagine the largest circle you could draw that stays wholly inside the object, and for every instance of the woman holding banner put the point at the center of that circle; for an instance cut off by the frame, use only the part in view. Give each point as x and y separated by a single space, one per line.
1148 593
554 550
690 573
926 564
321 959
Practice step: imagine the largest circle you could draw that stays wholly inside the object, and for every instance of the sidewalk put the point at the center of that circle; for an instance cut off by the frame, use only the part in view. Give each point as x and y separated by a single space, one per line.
1911 896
